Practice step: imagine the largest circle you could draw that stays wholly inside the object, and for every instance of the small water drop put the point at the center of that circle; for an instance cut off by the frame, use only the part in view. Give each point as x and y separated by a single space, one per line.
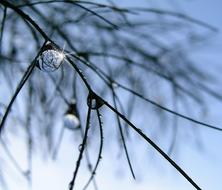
80 147
115 85
94 101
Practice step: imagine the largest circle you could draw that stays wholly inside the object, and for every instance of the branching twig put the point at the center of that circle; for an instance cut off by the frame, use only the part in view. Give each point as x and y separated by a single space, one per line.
100 150
19 87
76 3
26 17
98 70
139 131
82 148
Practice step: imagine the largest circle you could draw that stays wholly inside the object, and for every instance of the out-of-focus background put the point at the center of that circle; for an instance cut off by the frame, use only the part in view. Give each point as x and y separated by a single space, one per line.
199 157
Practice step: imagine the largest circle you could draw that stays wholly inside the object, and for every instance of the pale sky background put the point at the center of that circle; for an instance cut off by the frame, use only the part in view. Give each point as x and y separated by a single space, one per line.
154 173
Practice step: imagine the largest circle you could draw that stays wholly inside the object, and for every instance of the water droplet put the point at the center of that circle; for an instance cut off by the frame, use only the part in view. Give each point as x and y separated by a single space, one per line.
50 58
114 85
90 166
71 121
94 101
140 130
80 147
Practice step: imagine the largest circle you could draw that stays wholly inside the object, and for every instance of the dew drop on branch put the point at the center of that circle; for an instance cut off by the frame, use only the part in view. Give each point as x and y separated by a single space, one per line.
94 101
115 85
50 58
80 147
71 120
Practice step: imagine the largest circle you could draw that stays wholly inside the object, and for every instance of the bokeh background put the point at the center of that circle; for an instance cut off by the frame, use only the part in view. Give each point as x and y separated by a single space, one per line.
199 157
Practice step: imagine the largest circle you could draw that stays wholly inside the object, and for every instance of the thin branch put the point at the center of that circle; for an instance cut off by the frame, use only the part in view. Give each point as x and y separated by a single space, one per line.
134 10
26 17
57 88
82 134
23 80
79 73
122 135
29 138
178 15
94 69
19 87
156 147
150 70
98 70
58 143
48 22
82 147
169 110
175 123
13 159
100 150
76 3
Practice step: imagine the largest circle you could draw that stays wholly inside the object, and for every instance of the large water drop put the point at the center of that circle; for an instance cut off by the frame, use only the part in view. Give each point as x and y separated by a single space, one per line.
50 58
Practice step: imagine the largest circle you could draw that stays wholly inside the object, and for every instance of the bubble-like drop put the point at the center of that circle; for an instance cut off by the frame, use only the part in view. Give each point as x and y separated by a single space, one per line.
71 121
50 58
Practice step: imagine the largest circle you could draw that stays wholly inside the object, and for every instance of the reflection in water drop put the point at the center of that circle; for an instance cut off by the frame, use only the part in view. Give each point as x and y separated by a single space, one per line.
80 147
94 101
93 104
50 58
71 121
